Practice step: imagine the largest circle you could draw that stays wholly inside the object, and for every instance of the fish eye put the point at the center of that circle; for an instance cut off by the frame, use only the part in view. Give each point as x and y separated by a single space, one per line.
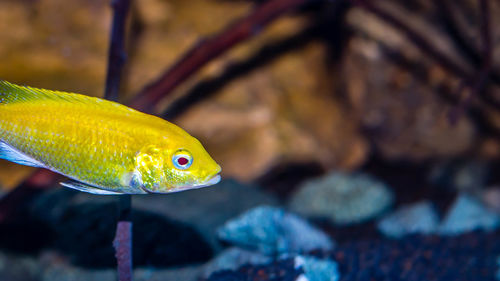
182 159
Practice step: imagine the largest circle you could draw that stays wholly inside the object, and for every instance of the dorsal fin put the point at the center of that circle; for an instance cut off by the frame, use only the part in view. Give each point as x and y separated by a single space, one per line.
12 93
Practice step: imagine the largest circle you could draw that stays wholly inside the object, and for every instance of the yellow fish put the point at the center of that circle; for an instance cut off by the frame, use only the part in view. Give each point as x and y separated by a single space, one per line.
103 146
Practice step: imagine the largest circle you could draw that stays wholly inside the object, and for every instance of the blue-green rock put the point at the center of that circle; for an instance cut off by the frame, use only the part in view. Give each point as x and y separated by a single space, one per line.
317 269
467 214
342 198
272 231
416 218
232 259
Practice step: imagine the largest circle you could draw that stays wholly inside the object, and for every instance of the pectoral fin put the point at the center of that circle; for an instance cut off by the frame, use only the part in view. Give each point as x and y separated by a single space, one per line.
7 152
88 188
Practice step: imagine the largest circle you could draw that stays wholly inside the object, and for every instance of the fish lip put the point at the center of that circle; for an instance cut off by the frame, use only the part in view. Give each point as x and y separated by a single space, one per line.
213 180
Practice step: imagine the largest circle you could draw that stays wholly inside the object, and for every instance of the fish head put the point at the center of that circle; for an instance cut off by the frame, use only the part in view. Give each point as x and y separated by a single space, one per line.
175 168
189 166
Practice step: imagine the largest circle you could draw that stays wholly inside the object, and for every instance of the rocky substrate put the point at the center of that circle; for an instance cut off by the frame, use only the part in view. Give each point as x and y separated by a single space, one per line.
471 256
284 270
239 232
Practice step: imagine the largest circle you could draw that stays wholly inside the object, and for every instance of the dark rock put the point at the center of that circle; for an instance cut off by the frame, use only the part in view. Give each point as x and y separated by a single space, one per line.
64 272
283 178
50 267
26 235
186 273
410 182
460 175
19 268
85 231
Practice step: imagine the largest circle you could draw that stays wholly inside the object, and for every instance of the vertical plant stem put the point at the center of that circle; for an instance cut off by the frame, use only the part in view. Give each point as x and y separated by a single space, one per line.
123 239
116 51
116 60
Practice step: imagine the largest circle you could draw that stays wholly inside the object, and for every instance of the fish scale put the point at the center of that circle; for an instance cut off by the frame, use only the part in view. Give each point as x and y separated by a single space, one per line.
100 143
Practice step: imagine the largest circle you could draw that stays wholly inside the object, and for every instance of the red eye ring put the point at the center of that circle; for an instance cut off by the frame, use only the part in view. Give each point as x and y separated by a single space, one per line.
182 161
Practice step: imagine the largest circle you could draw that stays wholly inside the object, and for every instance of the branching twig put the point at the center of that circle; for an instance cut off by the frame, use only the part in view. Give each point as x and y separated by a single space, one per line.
211 48
116 59
327 23
424 45
463 44
420 70
457 111
487 50
420 41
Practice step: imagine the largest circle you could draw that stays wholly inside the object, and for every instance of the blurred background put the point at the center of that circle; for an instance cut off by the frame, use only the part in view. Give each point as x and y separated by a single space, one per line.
335 111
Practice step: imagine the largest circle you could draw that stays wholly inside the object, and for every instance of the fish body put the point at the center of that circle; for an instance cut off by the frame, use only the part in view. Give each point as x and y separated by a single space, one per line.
105 147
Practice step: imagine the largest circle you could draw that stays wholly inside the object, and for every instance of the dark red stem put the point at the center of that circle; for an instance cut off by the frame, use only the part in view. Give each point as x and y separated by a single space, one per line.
116 60
123 250
116 51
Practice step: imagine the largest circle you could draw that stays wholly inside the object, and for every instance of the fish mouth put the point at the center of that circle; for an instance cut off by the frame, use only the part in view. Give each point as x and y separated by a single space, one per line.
213 180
